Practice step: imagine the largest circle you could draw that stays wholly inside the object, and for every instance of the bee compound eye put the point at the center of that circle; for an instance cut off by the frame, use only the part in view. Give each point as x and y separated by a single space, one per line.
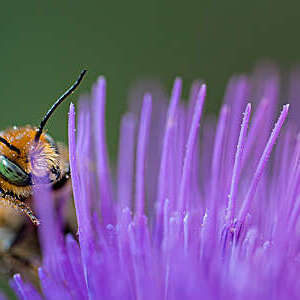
13 173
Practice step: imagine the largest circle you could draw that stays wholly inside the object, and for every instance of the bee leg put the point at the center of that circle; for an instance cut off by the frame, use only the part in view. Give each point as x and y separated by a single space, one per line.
20 207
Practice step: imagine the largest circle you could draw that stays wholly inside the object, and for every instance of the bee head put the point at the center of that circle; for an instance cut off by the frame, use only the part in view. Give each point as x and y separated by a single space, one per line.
29 156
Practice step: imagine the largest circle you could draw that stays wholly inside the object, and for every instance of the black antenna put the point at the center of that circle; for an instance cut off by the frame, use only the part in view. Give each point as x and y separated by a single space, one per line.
56 104
9 145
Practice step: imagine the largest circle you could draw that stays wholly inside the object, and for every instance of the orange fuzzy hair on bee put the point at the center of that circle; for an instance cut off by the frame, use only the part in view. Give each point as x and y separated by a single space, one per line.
35 159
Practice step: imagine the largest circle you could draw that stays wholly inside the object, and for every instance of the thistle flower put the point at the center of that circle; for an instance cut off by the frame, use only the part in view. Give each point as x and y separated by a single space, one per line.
215 217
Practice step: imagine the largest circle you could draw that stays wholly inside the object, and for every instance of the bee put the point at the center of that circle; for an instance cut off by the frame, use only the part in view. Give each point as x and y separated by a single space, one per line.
29 156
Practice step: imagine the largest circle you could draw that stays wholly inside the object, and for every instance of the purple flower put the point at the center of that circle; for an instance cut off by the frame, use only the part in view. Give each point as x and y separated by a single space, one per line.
184 217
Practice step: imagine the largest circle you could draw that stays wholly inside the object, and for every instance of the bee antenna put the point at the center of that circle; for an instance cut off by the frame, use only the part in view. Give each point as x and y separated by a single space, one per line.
9 145
56 104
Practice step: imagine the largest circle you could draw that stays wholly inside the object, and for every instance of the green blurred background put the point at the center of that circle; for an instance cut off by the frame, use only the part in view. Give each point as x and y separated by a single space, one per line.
44 45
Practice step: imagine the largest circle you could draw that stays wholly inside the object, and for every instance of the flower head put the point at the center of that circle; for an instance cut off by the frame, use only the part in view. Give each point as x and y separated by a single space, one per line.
184 217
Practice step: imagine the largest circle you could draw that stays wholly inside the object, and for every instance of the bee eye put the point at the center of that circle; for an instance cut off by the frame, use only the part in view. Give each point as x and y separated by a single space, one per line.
13 173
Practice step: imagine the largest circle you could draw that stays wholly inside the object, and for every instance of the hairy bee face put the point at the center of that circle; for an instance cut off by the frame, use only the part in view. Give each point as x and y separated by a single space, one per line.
29 162
25 163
